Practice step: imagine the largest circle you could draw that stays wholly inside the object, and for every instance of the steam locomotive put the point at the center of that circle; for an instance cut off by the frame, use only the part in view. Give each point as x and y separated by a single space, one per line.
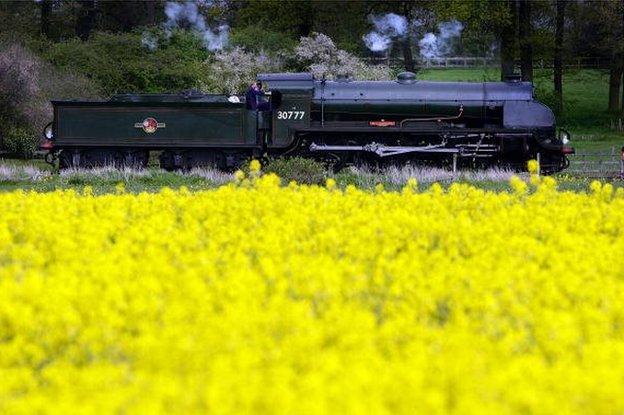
341 122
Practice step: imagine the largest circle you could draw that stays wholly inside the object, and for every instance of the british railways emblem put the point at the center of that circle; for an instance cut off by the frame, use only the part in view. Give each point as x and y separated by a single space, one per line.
149 125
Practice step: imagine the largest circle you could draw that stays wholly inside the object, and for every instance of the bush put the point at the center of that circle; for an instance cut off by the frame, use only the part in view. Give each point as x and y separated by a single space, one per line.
21 142
59 85
260 40
231 72
148 62
301 170
319 55
27 84
20 102
157 60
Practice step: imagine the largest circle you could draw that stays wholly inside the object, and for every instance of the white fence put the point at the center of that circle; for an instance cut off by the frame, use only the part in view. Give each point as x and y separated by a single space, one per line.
489 62
597 163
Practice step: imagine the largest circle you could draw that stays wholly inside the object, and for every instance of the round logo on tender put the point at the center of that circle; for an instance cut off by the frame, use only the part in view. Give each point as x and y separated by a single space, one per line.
150 125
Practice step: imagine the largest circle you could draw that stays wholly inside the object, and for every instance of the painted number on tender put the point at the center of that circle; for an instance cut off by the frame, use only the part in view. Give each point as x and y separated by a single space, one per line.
290 115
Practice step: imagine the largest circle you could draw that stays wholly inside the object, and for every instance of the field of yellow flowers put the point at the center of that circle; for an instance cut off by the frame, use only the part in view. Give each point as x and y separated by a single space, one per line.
259 299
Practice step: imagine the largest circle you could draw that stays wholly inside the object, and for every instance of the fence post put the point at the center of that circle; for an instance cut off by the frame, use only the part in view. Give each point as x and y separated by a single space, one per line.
622 163
539 164
454 163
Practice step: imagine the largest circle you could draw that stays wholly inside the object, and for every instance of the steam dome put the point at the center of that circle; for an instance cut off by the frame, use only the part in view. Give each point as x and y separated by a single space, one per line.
406 78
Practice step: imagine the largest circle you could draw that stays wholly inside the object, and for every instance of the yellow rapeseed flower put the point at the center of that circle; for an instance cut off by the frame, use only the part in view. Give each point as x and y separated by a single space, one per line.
532 166
120 187
595 186
254 166
257 298
239 175
518 185
330 183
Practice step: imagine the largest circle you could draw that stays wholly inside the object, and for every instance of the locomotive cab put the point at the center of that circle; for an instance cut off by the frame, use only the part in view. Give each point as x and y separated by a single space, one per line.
291 109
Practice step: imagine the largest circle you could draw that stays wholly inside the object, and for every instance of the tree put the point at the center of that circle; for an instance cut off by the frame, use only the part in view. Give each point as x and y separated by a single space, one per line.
422 11
291 17
343 21
615 82
86 18
597 32
406 42
621 51
508 41
150 13
487 19
616 10
46 11
525 31
558 53
125 16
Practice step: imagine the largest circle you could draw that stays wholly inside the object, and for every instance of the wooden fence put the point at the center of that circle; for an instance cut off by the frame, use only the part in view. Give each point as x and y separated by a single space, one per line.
597 163
488 62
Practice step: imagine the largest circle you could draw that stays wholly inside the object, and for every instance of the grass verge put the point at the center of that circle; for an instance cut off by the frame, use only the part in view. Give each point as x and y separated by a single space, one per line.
33 176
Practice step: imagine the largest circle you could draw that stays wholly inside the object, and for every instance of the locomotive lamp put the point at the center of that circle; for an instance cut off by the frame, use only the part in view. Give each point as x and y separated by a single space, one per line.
564 136
47 132
46 142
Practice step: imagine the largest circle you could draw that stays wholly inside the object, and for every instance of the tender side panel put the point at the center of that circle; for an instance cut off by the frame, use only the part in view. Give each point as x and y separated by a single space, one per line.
122 126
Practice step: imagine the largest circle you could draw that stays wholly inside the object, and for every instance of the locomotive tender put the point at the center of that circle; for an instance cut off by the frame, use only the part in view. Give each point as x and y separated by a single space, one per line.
342 121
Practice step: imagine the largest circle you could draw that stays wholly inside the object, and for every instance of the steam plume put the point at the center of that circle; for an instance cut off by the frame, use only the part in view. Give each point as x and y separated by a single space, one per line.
376 42
186 16
149 41
386 28
436 46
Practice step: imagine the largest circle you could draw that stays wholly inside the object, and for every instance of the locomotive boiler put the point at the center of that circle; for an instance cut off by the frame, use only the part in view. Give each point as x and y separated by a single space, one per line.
342 122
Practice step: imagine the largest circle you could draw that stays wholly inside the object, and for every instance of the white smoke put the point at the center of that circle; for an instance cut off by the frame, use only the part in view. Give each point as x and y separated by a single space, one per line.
186 15
149 41
388 27
390 24
437 46
493 49
217 40
376 42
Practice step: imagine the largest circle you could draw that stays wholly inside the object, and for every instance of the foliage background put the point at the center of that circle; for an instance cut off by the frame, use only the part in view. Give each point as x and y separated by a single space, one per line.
93 49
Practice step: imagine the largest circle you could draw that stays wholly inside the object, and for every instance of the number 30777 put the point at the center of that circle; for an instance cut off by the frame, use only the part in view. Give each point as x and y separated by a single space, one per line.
290 115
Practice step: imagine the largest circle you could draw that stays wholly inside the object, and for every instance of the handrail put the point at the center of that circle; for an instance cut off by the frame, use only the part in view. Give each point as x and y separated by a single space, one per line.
438 119
323 101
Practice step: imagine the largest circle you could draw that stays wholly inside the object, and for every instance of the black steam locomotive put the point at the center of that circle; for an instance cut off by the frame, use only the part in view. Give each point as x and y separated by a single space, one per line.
344 122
